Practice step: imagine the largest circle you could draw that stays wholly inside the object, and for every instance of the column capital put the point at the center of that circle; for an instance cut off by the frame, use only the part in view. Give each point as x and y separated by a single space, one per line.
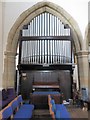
82 53
10 53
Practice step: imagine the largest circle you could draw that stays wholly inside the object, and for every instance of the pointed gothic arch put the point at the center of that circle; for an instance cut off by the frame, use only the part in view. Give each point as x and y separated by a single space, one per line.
87 36
24 18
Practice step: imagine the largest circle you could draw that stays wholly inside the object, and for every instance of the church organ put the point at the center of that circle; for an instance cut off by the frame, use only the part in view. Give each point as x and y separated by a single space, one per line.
45 44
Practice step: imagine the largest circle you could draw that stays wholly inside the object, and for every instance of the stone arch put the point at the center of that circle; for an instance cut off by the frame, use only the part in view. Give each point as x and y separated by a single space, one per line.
24 18
87 36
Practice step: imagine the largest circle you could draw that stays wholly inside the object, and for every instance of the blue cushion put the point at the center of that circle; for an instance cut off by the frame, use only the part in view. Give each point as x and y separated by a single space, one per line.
7 112
62 112
19 99
4 94
23 113
52 101
59 106
53 105
14 105
27 106
57 115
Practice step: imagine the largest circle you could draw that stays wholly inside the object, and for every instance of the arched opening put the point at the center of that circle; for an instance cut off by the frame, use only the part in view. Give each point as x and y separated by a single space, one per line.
24 19
87 39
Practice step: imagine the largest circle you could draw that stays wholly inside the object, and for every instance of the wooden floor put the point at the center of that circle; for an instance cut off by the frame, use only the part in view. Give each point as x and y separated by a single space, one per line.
76 114
41 114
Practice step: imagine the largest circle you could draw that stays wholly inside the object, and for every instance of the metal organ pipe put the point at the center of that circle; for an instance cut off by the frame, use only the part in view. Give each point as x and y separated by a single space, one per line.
46 51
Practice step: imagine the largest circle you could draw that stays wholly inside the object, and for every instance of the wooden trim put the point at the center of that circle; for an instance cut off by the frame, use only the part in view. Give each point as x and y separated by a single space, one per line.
45 86
50 67
20 47
27 38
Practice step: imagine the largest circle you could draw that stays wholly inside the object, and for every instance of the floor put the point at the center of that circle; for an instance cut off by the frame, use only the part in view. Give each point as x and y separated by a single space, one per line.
76 114
41 114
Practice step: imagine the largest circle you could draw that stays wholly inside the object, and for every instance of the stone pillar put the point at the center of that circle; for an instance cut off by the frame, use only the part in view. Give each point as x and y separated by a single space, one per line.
83 67
1 45
89 83
10 70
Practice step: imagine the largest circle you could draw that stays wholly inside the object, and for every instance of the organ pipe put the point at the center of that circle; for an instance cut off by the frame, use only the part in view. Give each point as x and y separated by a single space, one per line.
46 51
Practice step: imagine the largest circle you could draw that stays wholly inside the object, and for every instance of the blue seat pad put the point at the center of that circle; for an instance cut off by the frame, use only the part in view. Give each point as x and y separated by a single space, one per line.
45 93
61 111
27 107
7 113
23 113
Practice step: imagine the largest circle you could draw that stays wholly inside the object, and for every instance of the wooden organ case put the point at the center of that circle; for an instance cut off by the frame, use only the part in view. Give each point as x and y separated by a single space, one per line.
45 56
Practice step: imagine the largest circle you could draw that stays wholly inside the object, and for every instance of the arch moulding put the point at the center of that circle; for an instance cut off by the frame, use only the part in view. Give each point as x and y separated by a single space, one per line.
24 18
87 36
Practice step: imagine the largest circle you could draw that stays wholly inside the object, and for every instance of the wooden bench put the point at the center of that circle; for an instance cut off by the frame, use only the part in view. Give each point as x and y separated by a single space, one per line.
16 109
57 111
